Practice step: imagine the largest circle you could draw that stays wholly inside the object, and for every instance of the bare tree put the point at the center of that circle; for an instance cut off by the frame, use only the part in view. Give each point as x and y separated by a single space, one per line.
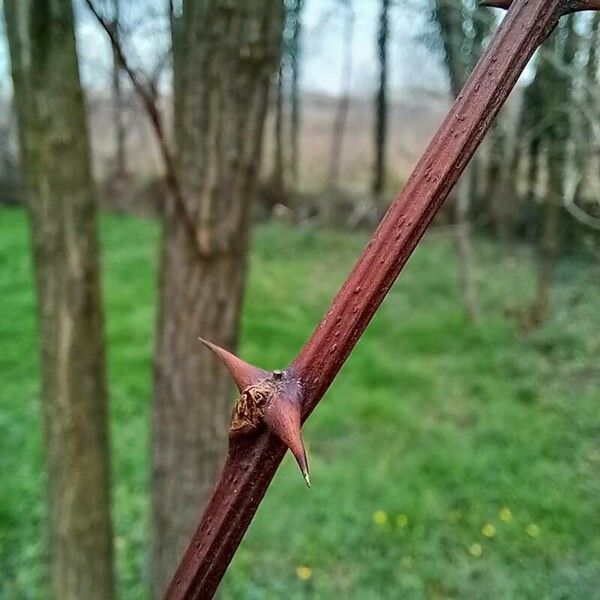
488 179
277 174
381 107
585 138
118 98
225 58
449 17
342 108
55 156
287 106
295 53
223 62
554 132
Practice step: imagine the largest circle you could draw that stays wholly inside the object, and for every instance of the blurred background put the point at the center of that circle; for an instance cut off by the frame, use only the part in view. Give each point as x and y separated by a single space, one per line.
457 454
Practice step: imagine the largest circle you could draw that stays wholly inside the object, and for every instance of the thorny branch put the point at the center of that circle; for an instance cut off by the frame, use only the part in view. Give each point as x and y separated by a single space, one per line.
147 95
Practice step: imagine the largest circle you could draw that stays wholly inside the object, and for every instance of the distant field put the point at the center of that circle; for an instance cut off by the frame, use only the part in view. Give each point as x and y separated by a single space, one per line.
413 119
448 461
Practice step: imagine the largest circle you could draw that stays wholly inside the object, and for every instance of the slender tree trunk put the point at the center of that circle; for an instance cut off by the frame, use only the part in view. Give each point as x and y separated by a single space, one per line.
507 186
295 101
56 159
466 258
118 100
548 252
487 175
558 85
532 114
341 114
277 176
178 47
227 61
584 144
449 18
381 108
494 192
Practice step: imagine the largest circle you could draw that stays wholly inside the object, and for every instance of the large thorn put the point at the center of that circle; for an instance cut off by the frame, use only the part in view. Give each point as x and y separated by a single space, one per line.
281 412
282 417
243 373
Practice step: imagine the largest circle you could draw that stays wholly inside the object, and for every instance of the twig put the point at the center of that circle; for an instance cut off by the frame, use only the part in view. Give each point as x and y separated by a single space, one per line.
275 403
148 100
575 211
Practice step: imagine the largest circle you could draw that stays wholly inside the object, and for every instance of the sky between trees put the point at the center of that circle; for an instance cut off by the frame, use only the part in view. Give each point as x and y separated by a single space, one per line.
413 63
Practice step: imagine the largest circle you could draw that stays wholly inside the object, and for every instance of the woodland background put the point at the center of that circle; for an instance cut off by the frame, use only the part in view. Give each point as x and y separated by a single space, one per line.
457 455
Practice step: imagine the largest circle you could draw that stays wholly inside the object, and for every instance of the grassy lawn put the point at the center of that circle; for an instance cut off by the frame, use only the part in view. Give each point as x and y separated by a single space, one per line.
448 460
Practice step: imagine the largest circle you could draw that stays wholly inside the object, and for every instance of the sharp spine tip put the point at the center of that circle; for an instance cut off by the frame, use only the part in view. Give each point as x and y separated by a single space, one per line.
306 478
243 373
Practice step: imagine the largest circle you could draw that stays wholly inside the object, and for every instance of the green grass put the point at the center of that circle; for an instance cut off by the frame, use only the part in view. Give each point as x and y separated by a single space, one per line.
432 418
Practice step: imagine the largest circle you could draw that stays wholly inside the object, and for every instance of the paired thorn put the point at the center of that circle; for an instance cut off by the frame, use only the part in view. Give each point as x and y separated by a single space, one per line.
271 397
243 373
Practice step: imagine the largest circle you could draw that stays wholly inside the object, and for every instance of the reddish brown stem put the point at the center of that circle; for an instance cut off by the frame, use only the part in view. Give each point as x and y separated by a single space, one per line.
570 6
254 458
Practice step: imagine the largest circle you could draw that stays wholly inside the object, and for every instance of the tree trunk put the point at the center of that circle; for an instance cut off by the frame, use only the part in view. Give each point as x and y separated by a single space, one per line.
227 62
118 101
449 18
177 56
499 154
56 159
557 82
466 259
295 103
341 115
381 108
277 176
584 141
492 173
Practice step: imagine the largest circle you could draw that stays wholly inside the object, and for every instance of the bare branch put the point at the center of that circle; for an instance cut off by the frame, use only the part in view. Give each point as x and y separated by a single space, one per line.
570 6
147 95
576 211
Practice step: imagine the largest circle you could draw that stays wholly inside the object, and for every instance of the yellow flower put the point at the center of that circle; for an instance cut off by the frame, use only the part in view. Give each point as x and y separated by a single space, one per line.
380 517
505 514
488 530
533 530
304 573
402 520
476 550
